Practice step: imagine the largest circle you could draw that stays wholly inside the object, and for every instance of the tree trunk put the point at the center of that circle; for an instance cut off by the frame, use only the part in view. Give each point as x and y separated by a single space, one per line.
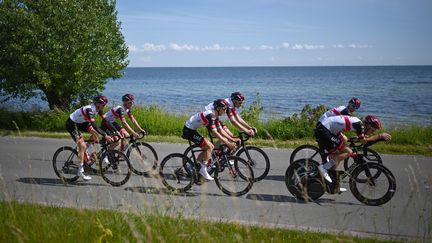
56 101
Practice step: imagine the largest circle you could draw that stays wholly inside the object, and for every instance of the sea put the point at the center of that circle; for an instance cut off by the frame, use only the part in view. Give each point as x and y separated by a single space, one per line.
399 95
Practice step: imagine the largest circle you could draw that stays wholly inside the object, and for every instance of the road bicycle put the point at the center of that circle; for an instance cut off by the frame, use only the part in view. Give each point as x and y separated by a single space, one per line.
142 156
308 151
370 182
256 157
232 174
115 169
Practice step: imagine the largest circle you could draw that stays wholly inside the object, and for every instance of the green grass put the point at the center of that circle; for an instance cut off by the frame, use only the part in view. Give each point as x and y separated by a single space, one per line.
162 126
23 222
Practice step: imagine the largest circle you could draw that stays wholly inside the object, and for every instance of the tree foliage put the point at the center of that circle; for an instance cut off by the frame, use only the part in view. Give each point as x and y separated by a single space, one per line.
66 49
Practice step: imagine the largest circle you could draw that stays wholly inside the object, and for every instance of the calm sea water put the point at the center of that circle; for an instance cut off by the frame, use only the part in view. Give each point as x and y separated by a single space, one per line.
397 94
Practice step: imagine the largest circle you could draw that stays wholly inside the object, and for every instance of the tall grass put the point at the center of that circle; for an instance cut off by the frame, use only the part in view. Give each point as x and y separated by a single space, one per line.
35 223
162 123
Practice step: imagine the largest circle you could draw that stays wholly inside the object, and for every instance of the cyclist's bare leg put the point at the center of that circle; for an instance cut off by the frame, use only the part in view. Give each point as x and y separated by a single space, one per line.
342 155
81 149
206 153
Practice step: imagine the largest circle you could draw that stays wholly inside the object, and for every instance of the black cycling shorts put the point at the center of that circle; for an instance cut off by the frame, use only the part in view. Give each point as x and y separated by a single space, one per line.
327 140
75 128
193 136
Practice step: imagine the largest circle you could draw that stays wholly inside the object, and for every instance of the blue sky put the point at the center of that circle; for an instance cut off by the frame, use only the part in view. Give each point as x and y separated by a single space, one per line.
195 33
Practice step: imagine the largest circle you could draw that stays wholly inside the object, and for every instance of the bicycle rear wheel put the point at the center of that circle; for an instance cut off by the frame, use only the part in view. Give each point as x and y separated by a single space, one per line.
305 151
177 172
370 190
143 158
234 176
117 171
257 159
66 164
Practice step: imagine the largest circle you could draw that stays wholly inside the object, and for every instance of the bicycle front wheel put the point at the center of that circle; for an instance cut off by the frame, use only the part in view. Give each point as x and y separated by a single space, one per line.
370 190
117 171
370 155
234 176
177 172
143 158
306 151
257 159
66 164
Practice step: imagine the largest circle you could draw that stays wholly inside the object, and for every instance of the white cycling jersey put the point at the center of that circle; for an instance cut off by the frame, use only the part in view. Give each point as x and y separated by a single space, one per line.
117 112
84 114
207 118
336 111
231 110
337 124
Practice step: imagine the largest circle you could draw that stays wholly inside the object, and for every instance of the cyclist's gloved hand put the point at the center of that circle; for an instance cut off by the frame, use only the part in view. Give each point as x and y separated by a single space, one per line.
385 136
108 138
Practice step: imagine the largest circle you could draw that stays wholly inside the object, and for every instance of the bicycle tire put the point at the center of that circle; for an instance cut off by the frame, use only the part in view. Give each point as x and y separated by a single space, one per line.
364 171
308 152
239 174
66 164
370 155
261 166
118 171
140 165
303 180
176 169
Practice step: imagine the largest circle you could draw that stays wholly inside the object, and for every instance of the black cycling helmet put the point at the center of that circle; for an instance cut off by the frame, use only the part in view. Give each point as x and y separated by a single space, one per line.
373 121
237 96
220 103
128 97
355 102
100 99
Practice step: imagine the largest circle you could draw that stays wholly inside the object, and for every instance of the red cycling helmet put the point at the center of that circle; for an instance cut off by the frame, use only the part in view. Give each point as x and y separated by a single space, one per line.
100 99
355 102
220 103
128 97
373 121
237 96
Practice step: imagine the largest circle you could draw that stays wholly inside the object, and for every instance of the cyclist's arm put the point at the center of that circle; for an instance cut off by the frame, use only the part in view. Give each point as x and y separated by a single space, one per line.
135 122
128 128
92 121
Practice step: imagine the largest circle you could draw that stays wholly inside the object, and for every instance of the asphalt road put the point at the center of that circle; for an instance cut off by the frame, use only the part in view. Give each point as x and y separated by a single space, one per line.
26 174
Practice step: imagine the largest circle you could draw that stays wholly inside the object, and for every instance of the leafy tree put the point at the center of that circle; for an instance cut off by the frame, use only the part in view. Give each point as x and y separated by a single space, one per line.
67 49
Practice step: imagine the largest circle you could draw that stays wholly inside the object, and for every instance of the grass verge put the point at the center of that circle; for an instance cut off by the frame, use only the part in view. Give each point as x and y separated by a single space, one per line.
23 222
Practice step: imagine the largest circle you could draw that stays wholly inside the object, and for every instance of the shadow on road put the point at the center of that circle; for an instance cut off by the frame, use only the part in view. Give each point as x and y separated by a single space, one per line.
283 198
164 191
55 182
275 177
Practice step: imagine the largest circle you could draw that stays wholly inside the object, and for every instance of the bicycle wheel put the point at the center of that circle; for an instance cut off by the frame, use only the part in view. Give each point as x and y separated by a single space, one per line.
303 180
143 158
177 172
117 171
257 159
373 191
305 151
234 177
370 155
66 164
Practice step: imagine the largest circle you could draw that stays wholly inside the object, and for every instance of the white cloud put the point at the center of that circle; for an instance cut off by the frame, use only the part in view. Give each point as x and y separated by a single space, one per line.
286 45
151 47
265 47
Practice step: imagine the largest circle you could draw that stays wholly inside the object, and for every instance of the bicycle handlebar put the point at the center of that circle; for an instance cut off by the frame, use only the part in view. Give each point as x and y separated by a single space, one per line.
244 136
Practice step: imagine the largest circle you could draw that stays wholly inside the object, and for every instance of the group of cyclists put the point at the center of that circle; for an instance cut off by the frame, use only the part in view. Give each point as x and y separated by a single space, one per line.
328 132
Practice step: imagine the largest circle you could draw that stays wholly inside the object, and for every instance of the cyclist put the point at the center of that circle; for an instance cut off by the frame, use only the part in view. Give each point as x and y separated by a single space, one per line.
235 102
83 119
119 112
353 105
331 139
209 119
